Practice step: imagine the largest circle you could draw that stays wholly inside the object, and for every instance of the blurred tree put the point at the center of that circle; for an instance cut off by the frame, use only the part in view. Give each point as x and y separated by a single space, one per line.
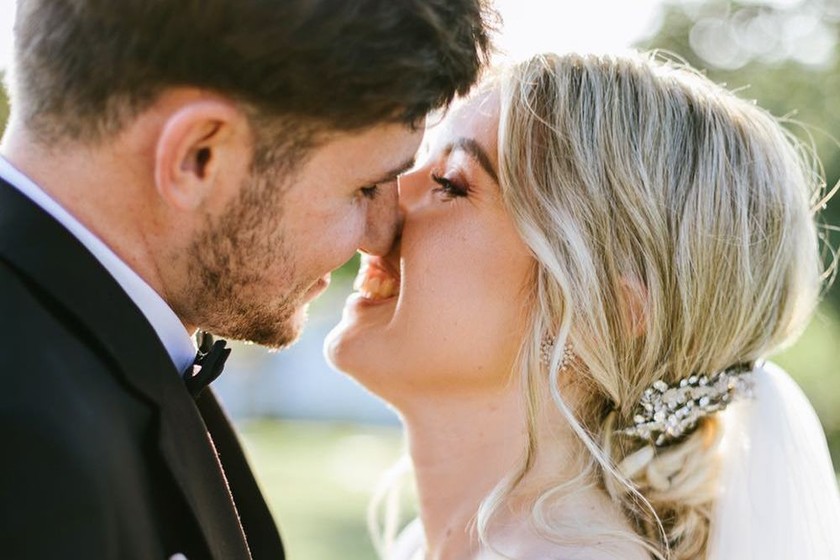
4 103
782 53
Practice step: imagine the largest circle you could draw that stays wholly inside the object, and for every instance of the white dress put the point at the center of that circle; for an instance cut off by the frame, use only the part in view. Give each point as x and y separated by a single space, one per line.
410 543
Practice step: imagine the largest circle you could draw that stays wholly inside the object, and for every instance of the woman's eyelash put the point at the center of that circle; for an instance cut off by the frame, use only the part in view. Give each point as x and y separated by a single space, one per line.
448 187
370 192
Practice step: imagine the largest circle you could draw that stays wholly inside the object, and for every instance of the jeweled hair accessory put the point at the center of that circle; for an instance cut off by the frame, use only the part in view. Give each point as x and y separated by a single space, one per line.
666 413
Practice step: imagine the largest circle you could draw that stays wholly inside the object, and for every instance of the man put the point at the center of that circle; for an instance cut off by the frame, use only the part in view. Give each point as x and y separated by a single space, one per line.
171 166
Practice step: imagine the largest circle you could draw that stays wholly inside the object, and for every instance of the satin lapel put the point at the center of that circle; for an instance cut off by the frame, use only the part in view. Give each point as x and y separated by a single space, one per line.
41 250
205 486
260 528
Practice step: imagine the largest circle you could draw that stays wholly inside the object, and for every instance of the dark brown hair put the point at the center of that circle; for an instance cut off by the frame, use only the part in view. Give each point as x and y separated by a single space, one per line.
85 67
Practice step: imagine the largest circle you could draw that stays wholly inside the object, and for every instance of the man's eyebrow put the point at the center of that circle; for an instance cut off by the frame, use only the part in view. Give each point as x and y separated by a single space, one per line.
389 176
475 150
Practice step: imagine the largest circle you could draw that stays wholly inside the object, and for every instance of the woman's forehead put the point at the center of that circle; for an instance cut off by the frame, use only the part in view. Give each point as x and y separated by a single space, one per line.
474 117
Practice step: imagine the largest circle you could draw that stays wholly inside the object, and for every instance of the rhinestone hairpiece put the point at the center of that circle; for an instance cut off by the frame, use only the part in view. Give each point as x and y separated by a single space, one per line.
546 349
667 413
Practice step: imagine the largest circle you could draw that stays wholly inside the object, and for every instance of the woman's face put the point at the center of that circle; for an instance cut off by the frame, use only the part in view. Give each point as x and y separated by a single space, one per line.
445 311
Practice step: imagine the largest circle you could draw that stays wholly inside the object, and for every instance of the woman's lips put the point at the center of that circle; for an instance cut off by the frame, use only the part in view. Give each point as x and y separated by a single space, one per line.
377 280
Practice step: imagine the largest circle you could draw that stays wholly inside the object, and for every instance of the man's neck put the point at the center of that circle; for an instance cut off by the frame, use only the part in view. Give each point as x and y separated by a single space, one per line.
92 187
102 191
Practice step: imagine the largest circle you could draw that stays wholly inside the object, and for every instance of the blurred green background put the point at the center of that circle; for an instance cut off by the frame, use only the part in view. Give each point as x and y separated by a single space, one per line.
319 476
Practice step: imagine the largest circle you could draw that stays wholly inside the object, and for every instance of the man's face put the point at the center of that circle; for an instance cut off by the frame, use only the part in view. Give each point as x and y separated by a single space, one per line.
254 269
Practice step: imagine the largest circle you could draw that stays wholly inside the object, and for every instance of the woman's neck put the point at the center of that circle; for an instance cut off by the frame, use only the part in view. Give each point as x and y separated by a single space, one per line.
462 446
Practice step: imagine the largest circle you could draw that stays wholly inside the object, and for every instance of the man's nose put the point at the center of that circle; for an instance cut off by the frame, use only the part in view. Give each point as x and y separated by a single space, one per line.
411 188
382 222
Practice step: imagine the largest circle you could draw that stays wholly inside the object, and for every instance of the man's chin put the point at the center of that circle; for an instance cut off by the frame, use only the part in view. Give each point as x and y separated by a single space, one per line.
274 333
287 331
283 340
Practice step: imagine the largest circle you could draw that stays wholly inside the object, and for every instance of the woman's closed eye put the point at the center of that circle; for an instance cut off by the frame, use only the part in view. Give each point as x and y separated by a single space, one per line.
449 188
370 192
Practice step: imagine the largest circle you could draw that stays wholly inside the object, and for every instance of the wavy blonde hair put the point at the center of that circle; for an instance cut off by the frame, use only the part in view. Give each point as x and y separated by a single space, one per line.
673 229
672 226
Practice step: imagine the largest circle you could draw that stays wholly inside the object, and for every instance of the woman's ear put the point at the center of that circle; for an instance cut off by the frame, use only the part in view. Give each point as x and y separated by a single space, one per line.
635 305
196 143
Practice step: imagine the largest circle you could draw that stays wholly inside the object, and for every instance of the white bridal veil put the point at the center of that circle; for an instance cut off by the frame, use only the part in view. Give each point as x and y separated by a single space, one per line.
780 499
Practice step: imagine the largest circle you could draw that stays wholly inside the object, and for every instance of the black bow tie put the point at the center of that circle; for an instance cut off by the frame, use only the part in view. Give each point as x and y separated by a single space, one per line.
210 360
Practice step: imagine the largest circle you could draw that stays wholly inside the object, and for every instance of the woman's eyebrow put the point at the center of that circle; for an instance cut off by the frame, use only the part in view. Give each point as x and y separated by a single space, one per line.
475 150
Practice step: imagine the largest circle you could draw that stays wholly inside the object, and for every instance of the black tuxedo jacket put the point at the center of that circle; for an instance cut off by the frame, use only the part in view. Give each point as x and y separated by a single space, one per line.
104 452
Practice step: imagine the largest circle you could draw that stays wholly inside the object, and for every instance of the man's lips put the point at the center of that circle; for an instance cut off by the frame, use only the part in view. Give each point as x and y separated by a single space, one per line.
377 280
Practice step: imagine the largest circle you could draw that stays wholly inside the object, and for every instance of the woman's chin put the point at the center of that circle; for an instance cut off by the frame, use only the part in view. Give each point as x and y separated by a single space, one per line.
335 348
362 320
349 348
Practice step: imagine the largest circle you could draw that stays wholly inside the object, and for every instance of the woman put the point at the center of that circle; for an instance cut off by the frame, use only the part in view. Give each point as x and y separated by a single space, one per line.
597 257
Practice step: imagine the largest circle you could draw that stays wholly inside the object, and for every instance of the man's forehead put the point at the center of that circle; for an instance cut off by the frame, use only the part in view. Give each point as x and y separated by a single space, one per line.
390 153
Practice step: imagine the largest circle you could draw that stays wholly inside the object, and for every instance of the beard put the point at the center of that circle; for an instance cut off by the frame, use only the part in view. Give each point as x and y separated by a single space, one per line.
232 292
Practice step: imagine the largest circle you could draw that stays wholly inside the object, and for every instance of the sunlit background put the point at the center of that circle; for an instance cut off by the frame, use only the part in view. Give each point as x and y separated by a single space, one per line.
319 442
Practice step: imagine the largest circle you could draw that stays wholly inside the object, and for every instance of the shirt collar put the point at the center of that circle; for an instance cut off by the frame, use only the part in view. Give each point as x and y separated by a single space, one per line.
171 332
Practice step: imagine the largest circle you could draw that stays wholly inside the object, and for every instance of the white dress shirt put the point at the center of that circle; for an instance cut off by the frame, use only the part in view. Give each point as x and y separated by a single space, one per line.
175 338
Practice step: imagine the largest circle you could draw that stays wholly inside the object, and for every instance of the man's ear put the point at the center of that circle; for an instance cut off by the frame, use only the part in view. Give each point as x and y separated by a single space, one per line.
197 141
635 305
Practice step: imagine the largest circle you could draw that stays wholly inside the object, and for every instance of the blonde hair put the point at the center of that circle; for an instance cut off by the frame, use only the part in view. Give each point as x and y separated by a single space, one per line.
673 231
672 226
